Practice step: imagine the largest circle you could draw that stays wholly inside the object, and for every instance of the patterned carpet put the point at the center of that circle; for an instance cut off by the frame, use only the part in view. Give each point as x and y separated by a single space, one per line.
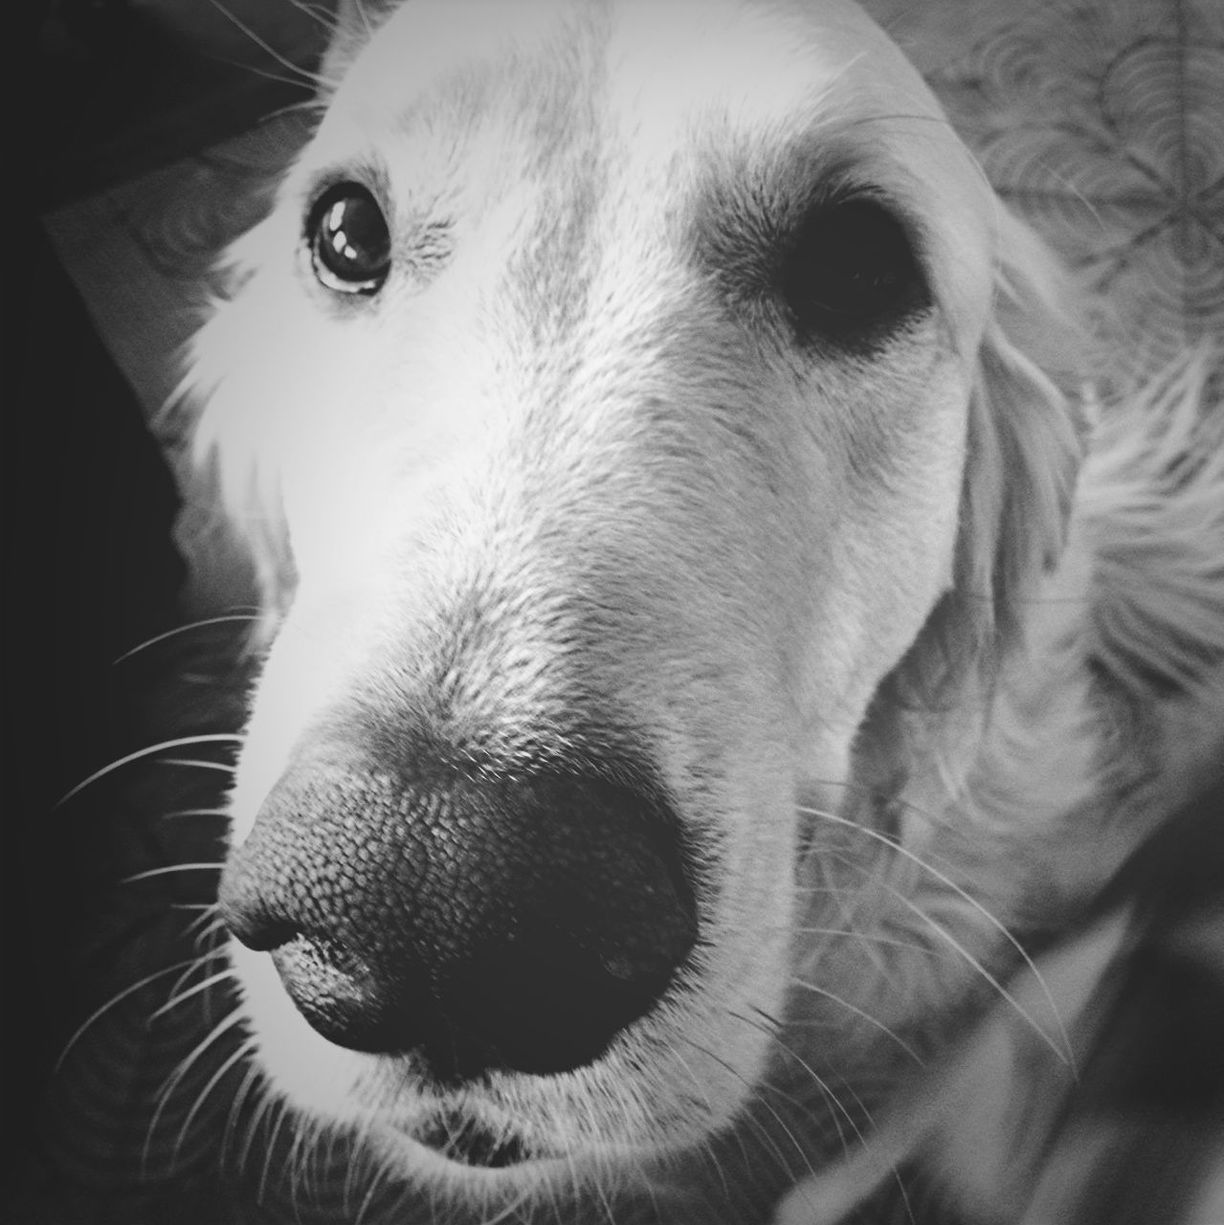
1101 124
1101 121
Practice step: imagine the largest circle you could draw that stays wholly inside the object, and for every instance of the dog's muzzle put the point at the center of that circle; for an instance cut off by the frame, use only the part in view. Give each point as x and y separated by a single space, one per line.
479 918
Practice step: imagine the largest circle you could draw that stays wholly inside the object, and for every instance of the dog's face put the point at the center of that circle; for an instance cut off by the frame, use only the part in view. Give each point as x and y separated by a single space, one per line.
607 380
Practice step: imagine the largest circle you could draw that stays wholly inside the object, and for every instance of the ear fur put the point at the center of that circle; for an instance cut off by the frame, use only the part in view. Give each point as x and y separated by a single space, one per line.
1023 453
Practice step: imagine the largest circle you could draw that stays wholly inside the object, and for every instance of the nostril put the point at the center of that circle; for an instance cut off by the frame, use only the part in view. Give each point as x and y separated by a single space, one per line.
544 1003
245 912
342 997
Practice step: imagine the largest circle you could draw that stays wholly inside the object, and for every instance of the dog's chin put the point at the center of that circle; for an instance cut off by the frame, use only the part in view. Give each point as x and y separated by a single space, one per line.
473 1146
457 1141
454 1151
460 1159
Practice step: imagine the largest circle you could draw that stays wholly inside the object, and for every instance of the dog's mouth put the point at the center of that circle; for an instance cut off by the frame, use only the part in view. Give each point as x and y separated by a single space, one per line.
468 1142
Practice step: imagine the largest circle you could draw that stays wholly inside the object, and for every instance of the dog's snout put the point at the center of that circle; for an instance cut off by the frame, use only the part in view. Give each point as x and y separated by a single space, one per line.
477 920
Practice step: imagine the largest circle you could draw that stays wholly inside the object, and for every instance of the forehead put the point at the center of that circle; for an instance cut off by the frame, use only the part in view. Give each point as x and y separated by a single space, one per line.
664 96
675 54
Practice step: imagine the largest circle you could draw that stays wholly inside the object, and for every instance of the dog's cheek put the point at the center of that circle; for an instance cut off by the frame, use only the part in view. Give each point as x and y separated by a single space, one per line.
895 439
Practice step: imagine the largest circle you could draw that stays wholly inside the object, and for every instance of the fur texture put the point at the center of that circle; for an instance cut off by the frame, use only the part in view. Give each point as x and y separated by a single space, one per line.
568 485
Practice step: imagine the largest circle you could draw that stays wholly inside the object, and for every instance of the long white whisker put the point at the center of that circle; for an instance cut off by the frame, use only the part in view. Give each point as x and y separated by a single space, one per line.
299 75
319 16
705 1093
170 869
265 1173
183 629
965 896
867 938
98 1013
896 1173
260 1114
148 751
201 929
233 1116
1065 1055
172 1082
244 1049
773 1029
858 1012
199 963
197 763
175 1000
789 1133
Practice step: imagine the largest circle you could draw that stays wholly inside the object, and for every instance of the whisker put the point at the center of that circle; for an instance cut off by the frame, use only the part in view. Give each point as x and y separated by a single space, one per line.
282 1115
772 1028
279 78
304 107
263 1109
244 1050
376 1183
1066 1055
183 629
100 1012
826 1089
896 1172
867 938
365 18
705 1093
207 930
320 16
170 869
173 1081
233 1118
200 961
866 1016
298 74
872 794
755 1090
149 751
175 1000
965 896
198 763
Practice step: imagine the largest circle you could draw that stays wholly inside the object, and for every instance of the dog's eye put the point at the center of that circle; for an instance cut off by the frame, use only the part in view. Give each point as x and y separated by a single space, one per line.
350 244
850 274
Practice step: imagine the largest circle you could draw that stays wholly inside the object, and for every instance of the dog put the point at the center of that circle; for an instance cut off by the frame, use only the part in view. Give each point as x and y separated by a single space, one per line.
708 621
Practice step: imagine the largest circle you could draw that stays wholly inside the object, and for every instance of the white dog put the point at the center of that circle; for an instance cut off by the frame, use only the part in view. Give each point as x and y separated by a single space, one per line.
688 657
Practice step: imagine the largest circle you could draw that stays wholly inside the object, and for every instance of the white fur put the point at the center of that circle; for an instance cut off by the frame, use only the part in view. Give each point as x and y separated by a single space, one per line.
822 583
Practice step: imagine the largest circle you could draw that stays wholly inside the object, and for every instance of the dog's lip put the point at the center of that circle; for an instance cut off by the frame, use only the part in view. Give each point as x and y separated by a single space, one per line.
467 1141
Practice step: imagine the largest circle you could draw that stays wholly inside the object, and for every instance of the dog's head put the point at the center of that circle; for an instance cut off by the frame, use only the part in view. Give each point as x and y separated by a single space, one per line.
627 406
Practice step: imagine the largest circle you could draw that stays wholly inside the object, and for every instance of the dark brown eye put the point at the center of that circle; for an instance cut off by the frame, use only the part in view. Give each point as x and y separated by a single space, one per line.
851 275
350 244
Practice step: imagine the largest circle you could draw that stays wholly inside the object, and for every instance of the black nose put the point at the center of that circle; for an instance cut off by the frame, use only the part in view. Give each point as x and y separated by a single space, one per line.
478 920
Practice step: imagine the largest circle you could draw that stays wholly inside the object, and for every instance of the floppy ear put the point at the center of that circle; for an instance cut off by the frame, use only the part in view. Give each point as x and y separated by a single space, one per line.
1023 453
1026 428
